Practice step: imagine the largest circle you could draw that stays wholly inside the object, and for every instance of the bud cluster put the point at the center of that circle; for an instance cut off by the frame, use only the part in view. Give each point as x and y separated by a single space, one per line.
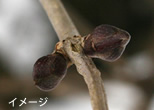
105 42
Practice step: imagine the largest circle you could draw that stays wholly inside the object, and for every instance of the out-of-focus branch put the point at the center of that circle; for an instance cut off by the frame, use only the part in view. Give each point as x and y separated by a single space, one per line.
72 46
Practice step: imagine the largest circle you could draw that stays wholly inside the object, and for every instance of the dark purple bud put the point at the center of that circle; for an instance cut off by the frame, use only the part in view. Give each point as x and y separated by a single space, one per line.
106 42
49 70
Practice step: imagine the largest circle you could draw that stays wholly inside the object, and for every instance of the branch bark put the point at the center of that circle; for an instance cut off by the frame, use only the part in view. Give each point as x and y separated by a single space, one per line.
66 30
59 18
88 70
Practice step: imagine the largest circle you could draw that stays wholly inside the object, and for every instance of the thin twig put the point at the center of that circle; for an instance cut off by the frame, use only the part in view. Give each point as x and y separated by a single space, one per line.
85 66
59 19
88 70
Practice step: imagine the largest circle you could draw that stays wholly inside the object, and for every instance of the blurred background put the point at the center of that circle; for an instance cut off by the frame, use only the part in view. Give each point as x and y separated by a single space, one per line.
26 34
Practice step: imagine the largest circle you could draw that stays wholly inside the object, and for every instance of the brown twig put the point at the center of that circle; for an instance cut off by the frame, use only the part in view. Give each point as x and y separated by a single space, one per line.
65 29
59 19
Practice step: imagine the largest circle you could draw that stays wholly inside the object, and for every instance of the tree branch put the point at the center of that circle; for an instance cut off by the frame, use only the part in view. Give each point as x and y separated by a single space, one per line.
88 70
59 19
72 46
